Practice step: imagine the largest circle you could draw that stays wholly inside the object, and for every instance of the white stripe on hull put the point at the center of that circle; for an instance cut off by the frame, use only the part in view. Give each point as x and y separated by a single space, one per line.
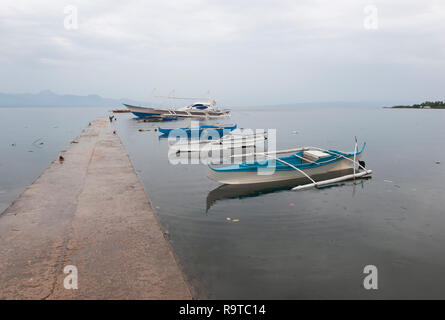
251 177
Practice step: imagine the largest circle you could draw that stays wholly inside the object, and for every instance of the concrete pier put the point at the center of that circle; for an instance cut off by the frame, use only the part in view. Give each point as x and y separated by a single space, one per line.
89 211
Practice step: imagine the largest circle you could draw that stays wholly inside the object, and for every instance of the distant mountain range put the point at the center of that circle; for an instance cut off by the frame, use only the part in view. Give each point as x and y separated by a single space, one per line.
48 98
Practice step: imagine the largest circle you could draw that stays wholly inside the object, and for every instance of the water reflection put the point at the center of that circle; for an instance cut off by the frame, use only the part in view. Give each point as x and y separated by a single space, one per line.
232 191
314 243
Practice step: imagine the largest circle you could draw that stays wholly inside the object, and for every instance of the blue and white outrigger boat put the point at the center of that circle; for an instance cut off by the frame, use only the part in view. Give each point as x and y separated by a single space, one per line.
221 130
234 140
205 110
306 162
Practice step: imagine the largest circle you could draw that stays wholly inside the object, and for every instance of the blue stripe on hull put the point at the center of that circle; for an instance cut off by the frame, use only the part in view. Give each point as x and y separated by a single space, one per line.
220 132
198 131
145 115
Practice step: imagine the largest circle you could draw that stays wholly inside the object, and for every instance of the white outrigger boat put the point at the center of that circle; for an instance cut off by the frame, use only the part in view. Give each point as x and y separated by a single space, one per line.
196 110
306 162
230 141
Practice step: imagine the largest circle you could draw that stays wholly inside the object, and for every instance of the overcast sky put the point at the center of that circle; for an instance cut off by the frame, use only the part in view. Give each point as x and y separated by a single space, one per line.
245 52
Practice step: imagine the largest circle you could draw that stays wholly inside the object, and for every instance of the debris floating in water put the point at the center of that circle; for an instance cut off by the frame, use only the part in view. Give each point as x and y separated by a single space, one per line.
388 181
228 219
37 143
235 220
437 162
291 204
295 132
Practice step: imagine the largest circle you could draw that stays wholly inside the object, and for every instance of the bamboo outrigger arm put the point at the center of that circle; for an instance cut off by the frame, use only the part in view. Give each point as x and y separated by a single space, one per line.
294 167
335 180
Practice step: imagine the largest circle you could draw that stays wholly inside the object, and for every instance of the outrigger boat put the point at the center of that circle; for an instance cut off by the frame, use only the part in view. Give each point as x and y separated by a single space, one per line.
230 141
197 110
221 130
306 162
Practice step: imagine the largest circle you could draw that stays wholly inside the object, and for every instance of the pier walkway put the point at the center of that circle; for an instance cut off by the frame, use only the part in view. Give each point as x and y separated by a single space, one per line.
89 211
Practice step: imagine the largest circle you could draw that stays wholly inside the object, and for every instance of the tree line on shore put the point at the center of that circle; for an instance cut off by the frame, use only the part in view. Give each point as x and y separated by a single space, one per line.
425 105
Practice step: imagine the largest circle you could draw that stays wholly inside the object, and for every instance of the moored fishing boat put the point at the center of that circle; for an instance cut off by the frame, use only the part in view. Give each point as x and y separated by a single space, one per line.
230 141
197 110
303 162
221 130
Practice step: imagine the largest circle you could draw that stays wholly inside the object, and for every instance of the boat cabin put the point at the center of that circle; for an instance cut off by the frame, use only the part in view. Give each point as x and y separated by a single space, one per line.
200 106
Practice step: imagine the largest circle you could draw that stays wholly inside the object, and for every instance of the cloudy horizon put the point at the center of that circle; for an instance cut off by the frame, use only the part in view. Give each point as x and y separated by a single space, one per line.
245 53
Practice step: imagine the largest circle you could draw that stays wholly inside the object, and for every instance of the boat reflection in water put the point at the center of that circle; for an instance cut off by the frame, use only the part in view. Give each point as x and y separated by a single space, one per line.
241 191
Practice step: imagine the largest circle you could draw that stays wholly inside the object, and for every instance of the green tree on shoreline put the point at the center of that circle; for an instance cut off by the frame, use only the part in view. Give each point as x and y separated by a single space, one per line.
425 105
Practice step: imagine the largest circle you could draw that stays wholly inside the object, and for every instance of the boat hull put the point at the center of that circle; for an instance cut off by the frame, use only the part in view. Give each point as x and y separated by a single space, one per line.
266 175
191 132
217 146
145 112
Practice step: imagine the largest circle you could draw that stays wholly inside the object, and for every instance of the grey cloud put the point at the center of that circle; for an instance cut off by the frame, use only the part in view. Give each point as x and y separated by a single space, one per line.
245 52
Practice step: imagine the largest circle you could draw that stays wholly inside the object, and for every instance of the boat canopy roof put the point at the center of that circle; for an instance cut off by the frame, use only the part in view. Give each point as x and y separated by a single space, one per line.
198 106
201 105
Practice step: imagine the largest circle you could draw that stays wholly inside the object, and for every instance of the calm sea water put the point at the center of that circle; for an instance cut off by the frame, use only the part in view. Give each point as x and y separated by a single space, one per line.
33 137
286 245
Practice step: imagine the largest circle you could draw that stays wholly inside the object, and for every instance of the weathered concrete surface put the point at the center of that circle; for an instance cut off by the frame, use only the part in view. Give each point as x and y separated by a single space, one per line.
91 212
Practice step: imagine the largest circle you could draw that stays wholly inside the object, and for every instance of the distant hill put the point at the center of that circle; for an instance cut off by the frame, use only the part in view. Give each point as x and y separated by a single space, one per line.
48 98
